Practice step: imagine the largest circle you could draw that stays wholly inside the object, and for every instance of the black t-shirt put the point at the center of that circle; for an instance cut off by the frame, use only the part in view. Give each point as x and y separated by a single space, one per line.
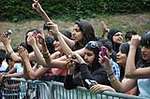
82 73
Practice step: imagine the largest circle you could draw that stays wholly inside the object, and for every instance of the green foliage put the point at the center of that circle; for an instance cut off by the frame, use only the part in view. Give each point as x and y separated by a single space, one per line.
15 10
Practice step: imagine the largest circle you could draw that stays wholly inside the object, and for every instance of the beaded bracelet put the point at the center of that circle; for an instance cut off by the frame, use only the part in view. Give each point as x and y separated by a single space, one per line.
46 55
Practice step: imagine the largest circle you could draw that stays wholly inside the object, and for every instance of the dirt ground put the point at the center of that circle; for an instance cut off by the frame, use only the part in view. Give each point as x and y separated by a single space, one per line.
137 22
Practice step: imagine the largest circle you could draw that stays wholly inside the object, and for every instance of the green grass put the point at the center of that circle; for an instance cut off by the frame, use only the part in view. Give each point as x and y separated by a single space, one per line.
137 22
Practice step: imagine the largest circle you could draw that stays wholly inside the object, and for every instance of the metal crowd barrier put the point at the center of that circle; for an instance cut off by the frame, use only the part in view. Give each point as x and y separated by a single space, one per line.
81 93
18 88
35 89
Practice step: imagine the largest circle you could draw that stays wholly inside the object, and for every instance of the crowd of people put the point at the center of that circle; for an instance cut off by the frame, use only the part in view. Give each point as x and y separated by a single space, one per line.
110 62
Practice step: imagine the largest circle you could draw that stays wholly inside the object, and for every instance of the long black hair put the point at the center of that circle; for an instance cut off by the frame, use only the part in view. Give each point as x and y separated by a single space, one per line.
145 42
25 44
95 47
88 33
110 35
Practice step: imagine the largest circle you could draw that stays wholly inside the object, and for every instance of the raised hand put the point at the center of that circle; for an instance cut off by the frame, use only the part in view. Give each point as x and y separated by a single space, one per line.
5 39
135 40
104 28
106 63
36 6
71 60
41 39
53 28
71 64
23 53
41 43
31 40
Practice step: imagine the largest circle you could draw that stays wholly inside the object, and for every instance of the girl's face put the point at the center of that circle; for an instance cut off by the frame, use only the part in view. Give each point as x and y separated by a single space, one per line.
146 53
77 34
89 56
121 58
118 38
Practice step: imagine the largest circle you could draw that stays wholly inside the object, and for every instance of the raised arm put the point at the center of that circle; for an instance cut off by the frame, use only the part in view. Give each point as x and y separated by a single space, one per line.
36 5
28 71
50 62
7 43
104 28
39 57
38 8
69 42
25 60
131 71
65 47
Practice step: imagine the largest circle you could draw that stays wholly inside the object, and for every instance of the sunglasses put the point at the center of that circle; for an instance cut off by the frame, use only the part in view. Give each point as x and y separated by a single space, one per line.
92 44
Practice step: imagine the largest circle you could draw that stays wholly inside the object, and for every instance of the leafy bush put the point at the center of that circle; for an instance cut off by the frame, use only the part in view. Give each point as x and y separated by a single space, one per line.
15 10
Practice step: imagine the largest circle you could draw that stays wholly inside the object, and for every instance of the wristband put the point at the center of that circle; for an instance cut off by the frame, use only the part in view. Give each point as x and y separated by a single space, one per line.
110 74
111 78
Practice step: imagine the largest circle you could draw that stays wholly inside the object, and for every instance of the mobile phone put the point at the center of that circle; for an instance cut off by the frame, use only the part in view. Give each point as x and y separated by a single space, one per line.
103 52
8 32
46 27
90 82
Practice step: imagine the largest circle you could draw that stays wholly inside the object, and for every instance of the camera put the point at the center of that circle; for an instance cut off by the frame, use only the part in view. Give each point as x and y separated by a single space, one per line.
45 26
8 32
90 82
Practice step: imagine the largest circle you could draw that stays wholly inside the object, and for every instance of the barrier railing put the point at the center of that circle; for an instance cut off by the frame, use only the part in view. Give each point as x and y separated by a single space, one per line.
17 88
35 89
81 93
